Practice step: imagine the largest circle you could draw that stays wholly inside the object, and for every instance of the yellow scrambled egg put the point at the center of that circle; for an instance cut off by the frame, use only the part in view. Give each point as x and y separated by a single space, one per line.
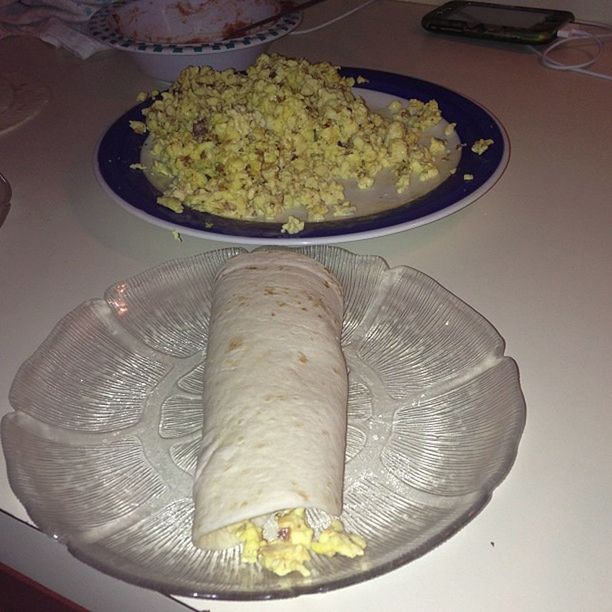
481 145
280 140
291 549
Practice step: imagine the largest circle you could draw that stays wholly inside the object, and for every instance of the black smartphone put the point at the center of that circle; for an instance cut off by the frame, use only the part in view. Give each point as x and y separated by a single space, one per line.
504 22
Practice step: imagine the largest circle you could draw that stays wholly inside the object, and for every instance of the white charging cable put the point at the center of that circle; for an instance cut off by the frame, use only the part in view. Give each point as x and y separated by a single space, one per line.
568 34
327 23
572 33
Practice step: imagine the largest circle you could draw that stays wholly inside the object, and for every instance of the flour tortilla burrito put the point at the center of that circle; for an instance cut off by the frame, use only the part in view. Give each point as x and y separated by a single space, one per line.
275 395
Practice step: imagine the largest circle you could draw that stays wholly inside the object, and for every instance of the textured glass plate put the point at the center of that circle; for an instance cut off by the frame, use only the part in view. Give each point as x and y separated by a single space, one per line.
102 443
120 147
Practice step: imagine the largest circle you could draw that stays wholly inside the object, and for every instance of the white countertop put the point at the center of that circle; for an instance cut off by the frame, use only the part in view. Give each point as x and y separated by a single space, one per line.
533 255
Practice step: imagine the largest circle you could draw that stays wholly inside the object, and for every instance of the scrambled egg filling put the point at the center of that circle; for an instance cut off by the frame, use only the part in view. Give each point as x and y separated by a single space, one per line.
280 139
291 550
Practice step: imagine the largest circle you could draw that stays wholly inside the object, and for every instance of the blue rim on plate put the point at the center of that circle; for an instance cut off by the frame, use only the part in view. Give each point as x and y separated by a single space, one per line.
100 27
120 147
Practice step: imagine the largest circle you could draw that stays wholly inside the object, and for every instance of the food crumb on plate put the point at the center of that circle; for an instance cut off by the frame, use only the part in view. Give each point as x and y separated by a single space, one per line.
481 145
449 130
292 226
285 136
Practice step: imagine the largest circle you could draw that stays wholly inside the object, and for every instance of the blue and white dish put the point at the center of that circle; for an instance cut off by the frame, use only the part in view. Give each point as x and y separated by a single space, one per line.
149 41
120 147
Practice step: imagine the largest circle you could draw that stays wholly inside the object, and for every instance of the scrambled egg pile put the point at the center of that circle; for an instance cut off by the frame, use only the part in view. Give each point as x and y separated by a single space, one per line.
291 549
277 141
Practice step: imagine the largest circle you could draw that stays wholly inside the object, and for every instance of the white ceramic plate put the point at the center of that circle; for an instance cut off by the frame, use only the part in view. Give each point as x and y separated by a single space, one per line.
120 147
144 28
101 446
21 99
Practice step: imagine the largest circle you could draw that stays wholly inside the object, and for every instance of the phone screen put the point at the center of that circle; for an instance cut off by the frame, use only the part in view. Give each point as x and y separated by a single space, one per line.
496 16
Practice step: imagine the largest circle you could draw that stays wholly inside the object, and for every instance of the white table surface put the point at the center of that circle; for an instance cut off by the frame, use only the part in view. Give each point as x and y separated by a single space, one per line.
533 255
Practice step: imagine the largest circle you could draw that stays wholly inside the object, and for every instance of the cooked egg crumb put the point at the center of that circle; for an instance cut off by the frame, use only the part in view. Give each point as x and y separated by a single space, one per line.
291 549
450 129
292 527
468 177
292 226
143 95
280 138
437 146
282 558
138 126
481 145
251 537
334 540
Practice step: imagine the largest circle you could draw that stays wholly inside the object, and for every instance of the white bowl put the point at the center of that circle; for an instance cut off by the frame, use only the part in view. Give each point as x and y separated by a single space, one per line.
165 37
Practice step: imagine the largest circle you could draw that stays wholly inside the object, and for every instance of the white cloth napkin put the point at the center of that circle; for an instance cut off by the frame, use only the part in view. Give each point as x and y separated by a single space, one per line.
62 23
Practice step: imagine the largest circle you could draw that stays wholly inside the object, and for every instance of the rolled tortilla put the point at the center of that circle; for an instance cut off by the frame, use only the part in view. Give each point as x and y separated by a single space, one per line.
275 394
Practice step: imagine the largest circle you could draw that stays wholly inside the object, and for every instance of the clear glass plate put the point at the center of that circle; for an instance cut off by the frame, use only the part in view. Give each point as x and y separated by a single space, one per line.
102 443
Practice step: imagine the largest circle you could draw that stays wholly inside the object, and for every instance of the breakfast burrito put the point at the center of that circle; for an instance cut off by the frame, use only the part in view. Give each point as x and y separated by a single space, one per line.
275 395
